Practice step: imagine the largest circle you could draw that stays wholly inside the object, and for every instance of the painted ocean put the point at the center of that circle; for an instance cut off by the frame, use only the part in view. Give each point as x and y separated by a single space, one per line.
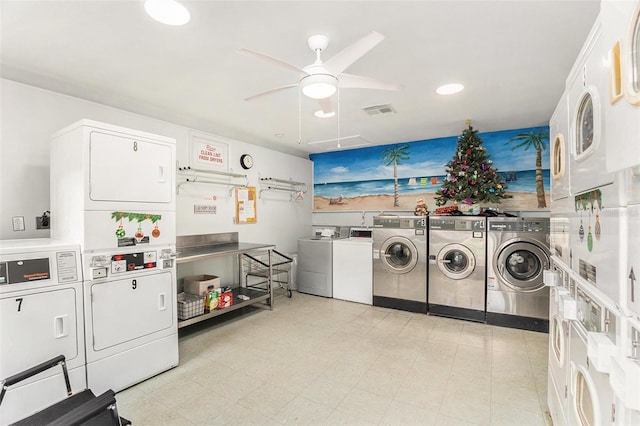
525 182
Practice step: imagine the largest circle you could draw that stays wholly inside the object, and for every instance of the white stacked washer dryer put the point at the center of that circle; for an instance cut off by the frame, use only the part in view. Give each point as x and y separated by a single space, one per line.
562 310
603 99
113 192
622 114
40 318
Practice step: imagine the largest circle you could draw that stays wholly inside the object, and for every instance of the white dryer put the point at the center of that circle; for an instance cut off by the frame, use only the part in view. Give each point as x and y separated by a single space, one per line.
41 317
587 87
560 150
621 32
593 339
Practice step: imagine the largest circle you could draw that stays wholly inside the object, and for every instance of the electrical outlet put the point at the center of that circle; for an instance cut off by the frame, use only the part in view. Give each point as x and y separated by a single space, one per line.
39 222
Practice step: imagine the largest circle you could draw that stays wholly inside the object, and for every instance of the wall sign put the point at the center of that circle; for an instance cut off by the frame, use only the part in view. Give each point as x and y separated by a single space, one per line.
204 209
208 152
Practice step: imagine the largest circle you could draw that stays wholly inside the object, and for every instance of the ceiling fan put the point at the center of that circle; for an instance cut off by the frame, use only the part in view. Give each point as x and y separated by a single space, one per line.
320 80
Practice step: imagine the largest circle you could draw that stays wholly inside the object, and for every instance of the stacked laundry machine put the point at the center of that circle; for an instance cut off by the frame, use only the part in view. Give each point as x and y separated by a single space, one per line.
113 194
594 308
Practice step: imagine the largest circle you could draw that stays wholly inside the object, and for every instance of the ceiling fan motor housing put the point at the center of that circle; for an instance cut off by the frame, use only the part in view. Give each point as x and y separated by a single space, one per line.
318 42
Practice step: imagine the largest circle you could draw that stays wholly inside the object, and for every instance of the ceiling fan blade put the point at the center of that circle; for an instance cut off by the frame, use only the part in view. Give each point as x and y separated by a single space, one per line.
270 92
343 59
348 81
275 61
325 104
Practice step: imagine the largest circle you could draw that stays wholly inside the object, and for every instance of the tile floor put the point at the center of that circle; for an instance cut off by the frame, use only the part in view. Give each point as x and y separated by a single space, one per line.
318 361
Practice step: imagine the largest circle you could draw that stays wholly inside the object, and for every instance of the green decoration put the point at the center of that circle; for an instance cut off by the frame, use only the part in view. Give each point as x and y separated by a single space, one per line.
589 240
138 217
470 174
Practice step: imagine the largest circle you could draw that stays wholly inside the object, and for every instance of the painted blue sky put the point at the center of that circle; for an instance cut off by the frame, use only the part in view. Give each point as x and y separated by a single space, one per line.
427 158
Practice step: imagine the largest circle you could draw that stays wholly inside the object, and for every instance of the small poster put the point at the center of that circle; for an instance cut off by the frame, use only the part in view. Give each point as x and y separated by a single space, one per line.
209 152
246 205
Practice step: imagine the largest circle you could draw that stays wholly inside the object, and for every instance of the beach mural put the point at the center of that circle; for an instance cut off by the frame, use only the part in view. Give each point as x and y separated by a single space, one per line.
401 176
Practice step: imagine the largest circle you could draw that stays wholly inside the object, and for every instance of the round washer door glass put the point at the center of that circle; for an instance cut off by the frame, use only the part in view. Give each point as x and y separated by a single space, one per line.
456 261
520 266
399 254
584 124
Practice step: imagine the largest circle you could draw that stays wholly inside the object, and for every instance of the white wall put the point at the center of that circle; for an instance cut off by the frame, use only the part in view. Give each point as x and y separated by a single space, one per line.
29 115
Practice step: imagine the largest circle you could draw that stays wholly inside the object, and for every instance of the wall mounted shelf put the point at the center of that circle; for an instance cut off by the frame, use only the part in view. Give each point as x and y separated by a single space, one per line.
284 185
211 177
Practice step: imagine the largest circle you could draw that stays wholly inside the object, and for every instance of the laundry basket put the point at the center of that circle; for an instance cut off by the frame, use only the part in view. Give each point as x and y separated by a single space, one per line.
256 268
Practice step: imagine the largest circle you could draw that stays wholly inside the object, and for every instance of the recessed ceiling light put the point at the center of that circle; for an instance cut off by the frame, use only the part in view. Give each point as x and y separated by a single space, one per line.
449 89
322 114
168 12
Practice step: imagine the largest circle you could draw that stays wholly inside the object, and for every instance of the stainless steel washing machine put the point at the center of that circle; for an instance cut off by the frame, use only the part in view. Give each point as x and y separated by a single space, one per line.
517 255
457 265
400 262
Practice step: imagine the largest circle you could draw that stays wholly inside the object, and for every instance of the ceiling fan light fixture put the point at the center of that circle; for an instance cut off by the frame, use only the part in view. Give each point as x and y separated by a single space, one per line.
321 114
319 86
169 12
450 89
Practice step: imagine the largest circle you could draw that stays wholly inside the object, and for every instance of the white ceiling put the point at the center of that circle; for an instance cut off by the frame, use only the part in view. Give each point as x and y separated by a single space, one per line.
513 57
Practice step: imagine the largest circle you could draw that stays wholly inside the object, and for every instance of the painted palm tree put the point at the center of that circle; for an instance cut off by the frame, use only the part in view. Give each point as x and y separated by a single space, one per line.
534 139
395 155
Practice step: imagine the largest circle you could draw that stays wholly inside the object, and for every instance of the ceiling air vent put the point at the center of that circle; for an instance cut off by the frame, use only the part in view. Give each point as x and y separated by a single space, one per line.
379 110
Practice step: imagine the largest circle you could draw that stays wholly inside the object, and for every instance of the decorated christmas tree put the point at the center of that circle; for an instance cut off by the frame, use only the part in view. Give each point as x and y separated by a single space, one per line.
470 178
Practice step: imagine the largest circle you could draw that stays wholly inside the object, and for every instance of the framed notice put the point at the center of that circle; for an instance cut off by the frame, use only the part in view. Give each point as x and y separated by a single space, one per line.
246 205
209 152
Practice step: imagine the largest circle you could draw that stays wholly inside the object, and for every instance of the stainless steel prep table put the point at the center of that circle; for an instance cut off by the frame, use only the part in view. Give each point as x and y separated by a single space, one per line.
193 248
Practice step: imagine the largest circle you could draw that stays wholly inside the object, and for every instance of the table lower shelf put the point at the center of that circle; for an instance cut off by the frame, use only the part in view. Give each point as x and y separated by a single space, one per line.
255 296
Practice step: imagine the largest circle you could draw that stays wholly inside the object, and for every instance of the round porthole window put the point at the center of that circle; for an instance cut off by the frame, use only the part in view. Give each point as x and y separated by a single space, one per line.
558 156
632 54
584 125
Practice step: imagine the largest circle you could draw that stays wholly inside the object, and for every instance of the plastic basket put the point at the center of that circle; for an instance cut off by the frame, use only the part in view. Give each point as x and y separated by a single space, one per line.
189 306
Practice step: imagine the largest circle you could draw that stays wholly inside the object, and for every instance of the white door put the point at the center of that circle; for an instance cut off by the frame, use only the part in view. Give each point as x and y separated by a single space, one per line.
127 169
127 309
36 327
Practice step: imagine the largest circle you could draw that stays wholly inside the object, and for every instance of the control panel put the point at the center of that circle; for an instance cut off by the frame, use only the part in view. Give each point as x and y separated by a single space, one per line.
102 266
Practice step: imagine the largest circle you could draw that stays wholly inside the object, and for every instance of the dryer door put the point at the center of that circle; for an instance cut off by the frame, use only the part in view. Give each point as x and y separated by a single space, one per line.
456 261
399 255
520 265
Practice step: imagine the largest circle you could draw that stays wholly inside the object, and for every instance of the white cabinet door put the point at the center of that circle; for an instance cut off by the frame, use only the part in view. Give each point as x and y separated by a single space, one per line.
128 169
37 327
131 308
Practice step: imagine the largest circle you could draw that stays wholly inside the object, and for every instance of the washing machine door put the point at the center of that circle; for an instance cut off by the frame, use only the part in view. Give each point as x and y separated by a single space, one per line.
399 255
456 261
520 265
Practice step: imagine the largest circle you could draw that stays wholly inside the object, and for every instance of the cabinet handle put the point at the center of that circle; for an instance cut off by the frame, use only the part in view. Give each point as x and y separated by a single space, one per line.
60 326
162 301
161 174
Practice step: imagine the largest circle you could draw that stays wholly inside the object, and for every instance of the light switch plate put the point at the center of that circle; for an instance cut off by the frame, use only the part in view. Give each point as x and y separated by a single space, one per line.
18 223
